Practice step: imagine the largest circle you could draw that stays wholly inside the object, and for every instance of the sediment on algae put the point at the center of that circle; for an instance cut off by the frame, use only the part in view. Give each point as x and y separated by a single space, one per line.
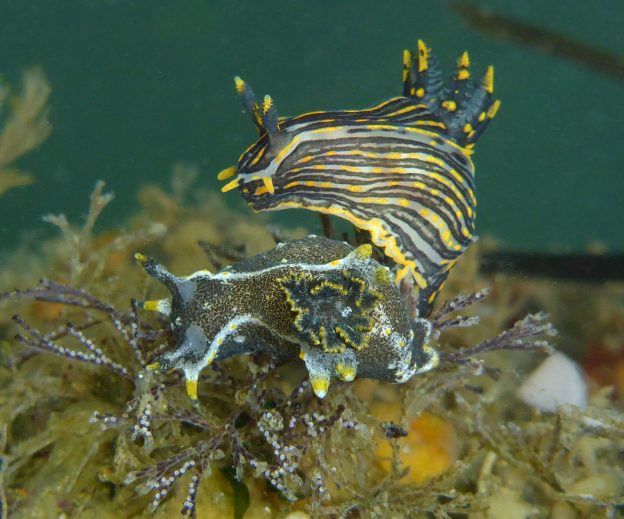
94 434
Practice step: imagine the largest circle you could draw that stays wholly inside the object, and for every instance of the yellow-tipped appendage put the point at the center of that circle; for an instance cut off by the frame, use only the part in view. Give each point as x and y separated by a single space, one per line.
463 65
449 105
493 109
423 54
320 385
191 388
268 183
407 58
230 185
227 173
239 84
152 305
345 372
267 104
488 80
464 60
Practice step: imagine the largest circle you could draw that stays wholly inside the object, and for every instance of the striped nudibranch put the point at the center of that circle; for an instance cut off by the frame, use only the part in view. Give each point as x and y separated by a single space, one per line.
320 300
400 170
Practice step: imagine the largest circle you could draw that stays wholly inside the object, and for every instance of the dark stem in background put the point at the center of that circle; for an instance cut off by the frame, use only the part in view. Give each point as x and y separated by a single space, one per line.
576 266
504 28
573 267
328 226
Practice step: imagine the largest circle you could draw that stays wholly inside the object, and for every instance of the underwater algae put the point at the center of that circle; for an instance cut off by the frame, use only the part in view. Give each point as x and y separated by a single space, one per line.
115 438
25 125
93 424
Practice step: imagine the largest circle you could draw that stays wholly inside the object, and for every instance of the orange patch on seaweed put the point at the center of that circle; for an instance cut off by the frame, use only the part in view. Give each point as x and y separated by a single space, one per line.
117 260
429 449
46 311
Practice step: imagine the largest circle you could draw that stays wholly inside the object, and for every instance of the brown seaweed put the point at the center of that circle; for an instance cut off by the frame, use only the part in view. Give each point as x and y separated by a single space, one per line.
24 128
91 432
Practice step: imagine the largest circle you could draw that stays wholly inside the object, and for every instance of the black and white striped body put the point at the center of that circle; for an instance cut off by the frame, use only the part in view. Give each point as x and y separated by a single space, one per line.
400 170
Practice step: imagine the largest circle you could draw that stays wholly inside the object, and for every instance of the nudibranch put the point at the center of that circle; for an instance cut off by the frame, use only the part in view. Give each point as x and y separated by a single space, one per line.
400 170
317 299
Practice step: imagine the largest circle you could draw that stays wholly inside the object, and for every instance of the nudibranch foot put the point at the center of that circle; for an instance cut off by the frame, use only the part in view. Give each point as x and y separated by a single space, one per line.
401 170
321 300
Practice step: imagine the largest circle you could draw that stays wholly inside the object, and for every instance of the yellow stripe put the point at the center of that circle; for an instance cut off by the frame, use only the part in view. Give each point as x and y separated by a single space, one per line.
435 124
451 186
307 158
364 111
407 129
374 200
258 156
404 110
379 236
393 155
438 223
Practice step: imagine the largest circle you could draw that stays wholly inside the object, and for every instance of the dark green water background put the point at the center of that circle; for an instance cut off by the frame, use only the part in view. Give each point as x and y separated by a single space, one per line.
139 85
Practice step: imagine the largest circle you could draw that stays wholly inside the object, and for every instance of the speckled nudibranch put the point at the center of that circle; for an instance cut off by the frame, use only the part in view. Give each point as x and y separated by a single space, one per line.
318 299
400 170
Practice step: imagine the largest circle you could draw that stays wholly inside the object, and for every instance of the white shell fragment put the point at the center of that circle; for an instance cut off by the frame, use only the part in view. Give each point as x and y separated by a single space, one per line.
557 381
